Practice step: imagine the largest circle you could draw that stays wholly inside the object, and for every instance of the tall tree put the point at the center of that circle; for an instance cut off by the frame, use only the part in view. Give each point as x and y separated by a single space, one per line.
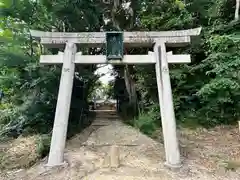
237 10
30 88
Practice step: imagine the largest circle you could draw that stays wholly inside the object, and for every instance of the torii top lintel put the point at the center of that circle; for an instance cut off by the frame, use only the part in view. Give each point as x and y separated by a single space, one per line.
97 39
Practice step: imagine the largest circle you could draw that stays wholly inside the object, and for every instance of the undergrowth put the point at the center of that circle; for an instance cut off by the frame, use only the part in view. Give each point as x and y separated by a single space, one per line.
23 152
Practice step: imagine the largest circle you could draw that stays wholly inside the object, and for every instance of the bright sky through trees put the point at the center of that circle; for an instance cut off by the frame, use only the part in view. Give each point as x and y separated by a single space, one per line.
106 70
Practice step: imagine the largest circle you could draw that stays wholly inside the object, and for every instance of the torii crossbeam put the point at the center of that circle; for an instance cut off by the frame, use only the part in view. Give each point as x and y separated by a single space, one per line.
159 57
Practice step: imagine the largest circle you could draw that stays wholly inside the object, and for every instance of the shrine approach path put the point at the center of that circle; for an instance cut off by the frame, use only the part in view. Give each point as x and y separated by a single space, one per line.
87 156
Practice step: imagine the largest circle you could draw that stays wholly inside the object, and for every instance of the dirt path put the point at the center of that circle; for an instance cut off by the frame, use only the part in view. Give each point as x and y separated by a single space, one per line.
141 158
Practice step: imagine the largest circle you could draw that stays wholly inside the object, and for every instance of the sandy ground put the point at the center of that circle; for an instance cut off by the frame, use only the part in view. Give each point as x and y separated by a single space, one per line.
141 158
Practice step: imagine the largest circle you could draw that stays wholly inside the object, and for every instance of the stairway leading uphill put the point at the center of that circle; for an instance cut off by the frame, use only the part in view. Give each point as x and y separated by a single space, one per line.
105 117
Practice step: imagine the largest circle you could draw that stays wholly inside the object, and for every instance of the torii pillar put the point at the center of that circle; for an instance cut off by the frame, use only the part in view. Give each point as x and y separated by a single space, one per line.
171 144
59 133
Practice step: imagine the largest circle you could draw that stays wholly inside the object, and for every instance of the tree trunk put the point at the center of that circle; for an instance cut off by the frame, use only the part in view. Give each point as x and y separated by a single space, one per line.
237 10
131 89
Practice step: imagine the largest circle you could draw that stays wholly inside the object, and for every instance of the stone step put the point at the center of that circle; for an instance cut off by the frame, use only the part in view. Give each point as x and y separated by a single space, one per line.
106 113
101 123
107 117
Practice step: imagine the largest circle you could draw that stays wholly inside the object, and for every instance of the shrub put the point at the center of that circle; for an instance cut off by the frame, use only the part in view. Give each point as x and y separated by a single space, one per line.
43 145
147 123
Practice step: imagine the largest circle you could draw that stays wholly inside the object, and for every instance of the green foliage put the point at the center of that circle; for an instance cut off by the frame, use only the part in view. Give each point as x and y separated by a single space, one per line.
148 122
145 124
221 93
43 145
30 88
109 90
166 15
206 92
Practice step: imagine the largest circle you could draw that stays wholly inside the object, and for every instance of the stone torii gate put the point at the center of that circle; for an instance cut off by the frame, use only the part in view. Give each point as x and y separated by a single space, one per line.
159 57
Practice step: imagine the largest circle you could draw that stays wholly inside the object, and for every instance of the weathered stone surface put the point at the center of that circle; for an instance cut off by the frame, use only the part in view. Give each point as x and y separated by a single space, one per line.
128 59
136 34
166 105
97 39
114 156
63 107
128 42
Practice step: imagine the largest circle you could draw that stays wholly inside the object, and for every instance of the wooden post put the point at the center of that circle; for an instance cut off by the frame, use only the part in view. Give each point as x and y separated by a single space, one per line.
166 106
63 107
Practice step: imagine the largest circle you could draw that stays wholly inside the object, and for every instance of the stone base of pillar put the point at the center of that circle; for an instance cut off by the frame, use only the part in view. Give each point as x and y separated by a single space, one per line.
64 164
173 166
